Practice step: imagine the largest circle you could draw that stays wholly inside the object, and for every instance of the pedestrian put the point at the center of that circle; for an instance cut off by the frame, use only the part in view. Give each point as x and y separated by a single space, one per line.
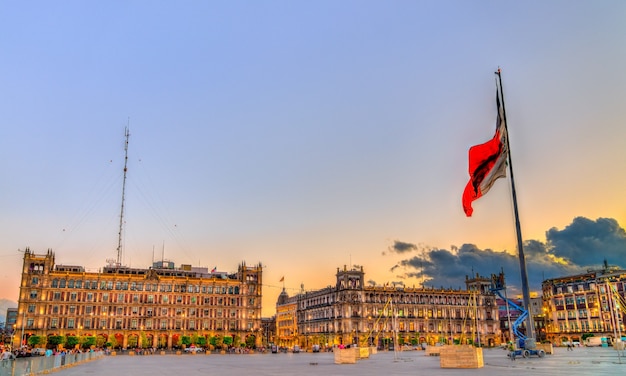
511 351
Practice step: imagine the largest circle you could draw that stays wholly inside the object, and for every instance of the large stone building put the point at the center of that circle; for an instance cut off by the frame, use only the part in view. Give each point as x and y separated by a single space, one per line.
579 305
351 312
132 307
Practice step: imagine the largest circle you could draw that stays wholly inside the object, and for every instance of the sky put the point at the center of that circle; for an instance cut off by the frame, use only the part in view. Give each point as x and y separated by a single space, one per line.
306 136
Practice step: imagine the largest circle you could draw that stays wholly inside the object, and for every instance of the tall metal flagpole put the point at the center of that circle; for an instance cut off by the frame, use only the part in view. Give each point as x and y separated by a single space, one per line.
530 329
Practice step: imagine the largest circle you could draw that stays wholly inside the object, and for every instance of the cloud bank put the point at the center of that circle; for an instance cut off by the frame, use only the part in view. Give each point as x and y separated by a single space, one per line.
584 244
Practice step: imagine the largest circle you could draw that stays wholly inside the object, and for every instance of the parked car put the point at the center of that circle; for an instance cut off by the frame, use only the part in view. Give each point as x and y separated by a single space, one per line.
296 349
38 351
194 349
316 348
274 349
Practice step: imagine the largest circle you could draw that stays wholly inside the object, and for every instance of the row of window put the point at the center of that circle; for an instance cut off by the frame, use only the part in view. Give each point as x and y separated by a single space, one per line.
139 298
141 286
137 324
397 299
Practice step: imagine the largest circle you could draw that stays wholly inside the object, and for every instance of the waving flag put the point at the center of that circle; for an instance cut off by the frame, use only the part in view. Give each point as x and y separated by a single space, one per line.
487 163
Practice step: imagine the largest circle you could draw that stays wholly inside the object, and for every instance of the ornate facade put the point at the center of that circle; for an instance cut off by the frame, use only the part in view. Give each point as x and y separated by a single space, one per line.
351 312
580 305
152 307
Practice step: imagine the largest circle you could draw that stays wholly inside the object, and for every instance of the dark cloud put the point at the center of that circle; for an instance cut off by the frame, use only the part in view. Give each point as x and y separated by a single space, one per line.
589 243
402 247
582 245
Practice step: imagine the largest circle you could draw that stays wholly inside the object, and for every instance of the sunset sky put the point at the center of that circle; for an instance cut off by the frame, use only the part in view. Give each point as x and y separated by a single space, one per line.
309 135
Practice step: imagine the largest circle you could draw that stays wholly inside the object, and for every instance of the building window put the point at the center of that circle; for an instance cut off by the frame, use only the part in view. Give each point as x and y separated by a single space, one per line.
73 309
105 297
62 284
31 308
30 323
133 324
56 296
35 281
88 309
103 323
118 324
148 324
33 294
163 324
70 323
73 296
54 323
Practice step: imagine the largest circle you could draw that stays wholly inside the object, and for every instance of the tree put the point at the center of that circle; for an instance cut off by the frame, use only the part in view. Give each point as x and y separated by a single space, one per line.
112 342
56 340
250 341
185 340
72 341
33 341
88 342
201 342
228 340
145 342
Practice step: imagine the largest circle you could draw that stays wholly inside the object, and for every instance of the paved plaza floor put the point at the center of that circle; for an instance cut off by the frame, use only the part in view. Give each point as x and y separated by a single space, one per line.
580 361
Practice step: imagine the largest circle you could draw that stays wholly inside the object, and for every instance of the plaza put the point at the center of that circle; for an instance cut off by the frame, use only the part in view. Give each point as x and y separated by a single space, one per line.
580 361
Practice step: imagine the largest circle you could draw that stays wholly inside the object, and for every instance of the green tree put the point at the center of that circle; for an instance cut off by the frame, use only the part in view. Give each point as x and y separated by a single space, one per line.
132 341
250 341
217 341
201 341
71 342
228 340
145 342
113 342
34 340
88 342
185 340
56 340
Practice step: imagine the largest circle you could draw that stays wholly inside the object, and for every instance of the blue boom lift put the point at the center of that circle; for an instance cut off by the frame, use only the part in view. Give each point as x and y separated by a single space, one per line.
525 346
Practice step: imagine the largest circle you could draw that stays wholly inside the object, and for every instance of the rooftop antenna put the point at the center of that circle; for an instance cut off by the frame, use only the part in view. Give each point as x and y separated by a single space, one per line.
119 239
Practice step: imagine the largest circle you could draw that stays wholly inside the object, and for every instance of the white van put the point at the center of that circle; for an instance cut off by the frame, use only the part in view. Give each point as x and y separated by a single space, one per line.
595 341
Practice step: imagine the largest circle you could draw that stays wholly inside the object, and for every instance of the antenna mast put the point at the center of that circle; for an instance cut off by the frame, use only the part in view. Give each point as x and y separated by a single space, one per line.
119 239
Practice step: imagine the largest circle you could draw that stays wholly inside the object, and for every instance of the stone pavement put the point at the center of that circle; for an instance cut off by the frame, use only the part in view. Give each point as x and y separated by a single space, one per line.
581 361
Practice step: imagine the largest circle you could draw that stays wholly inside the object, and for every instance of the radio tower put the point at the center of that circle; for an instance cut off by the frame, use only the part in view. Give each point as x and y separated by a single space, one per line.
119 239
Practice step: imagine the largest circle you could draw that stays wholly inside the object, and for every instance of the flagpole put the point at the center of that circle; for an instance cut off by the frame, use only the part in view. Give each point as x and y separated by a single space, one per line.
530 329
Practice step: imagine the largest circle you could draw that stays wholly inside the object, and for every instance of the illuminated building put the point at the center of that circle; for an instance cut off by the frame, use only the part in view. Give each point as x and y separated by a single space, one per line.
153 307
577 306
383 316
